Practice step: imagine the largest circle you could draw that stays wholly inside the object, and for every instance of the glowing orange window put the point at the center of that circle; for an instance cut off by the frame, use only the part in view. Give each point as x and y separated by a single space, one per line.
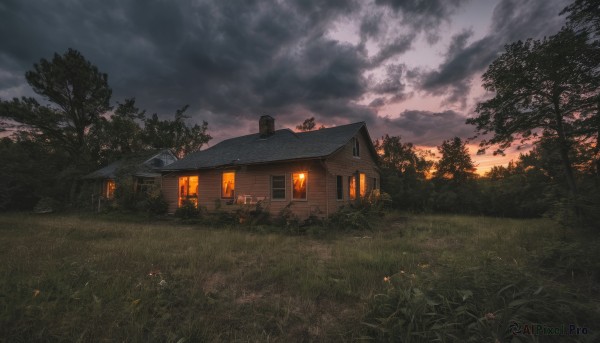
188 190
299 181
110 189
352 186
228 185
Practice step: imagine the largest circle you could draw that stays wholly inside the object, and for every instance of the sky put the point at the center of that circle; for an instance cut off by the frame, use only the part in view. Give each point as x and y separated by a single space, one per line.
405 67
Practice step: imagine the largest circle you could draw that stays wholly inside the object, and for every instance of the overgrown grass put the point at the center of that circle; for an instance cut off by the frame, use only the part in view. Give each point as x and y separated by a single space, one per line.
95 278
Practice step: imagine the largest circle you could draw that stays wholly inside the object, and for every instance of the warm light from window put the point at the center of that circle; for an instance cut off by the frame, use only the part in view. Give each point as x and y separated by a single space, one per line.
188 189
363 185
299 181
228 185
110 189
352 186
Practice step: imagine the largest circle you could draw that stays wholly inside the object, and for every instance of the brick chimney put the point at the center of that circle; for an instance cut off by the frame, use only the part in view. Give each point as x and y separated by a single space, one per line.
266 126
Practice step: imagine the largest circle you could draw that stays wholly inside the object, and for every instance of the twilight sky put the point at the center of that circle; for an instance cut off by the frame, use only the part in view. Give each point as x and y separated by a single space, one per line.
405 67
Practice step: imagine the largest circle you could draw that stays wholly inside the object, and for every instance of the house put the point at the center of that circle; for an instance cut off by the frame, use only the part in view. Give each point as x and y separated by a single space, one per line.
140 168
316 172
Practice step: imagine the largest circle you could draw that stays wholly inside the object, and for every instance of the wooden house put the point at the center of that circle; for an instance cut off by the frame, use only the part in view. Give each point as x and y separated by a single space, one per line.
141 169
316 171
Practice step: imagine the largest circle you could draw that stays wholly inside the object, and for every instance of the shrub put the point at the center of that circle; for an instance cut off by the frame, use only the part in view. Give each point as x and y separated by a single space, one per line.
349 218
287 219
155 202
253 214
359 217
188 210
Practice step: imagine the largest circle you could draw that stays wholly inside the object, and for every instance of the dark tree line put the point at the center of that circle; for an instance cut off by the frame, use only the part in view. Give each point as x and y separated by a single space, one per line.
76 130
546 93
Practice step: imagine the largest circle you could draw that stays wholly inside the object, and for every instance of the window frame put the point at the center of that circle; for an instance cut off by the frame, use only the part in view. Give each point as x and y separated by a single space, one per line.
305 186
222 185
143 185
195 199
355 147
284 188
110 188
363 186
339 187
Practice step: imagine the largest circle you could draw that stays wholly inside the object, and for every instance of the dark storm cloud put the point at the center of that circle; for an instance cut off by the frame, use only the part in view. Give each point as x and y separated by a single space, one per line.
423 15
425 127
377 102
226 59
370 25
512 20
394 48
392 84
232 61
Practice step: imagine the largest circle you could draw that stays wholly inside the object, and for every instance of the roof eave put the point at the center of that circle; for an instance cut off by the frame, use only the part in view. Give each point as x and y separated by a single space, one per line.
225 166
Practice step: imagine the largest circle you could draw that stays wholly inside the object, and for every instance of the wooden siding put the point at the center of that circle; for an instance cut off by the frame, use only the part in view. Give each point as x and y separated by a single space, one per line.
345 164
170 189
255 180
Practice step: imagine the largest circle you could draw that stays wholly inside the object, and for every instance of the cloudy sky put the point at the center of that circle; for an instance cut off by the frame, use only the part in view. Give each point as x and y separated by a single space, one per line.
405 67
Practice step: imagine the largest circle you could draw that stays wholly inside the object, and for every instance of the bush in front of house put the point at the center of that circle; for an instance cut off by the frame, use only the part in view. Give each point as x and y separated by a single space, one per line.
155 203
188 210
257 214
361 216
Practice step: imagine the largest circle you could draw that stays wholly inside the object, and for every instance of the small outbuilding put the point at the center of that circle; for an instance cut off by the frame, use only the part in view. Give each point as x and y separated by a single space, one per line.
141 169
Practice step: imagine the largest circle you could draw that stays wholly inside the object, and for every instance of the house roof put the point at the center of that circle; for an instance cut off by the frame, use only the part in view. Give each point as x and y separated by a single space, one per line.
143 164
282 145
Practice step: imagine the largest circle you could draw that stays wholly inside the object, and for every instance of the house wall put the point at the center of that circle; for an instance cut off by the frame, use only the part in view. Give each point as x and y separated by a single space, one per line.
255 181
345 164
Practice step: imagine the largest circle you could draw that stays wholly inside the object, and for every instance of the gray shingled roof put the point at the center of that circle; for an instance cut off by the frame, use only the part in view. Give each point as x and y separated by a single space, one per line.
142 160
282 145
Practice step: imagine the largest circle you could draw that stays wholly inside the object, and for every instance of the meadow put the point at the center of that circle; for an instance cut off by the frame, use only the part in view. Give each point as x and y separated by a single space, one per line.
410 278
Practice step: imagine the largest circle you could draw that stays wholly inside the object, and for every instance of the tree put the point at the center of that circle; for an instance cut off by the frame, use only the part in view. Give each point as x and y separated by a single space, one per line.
403 158
176 134
78 94
29 172
543 88
455 163
584 14
308 125
118 135
403 172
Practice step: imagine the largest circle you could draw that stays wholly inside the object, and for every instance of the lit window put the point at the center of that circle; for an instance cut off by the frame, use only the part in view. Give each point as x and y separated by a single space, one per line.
355 147
363 185
299 181
228 185
278 187
188 189
352 186
110 189
339 188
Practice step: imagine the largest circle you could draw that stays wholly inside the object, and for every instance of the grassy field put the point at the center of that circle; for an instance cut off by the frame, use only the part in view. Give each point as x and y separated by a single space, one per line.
97 278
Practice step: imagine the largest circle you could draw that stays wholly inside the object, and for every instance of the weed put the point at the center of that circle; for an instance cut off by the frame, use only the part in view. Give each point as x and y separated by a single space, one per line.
126 277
